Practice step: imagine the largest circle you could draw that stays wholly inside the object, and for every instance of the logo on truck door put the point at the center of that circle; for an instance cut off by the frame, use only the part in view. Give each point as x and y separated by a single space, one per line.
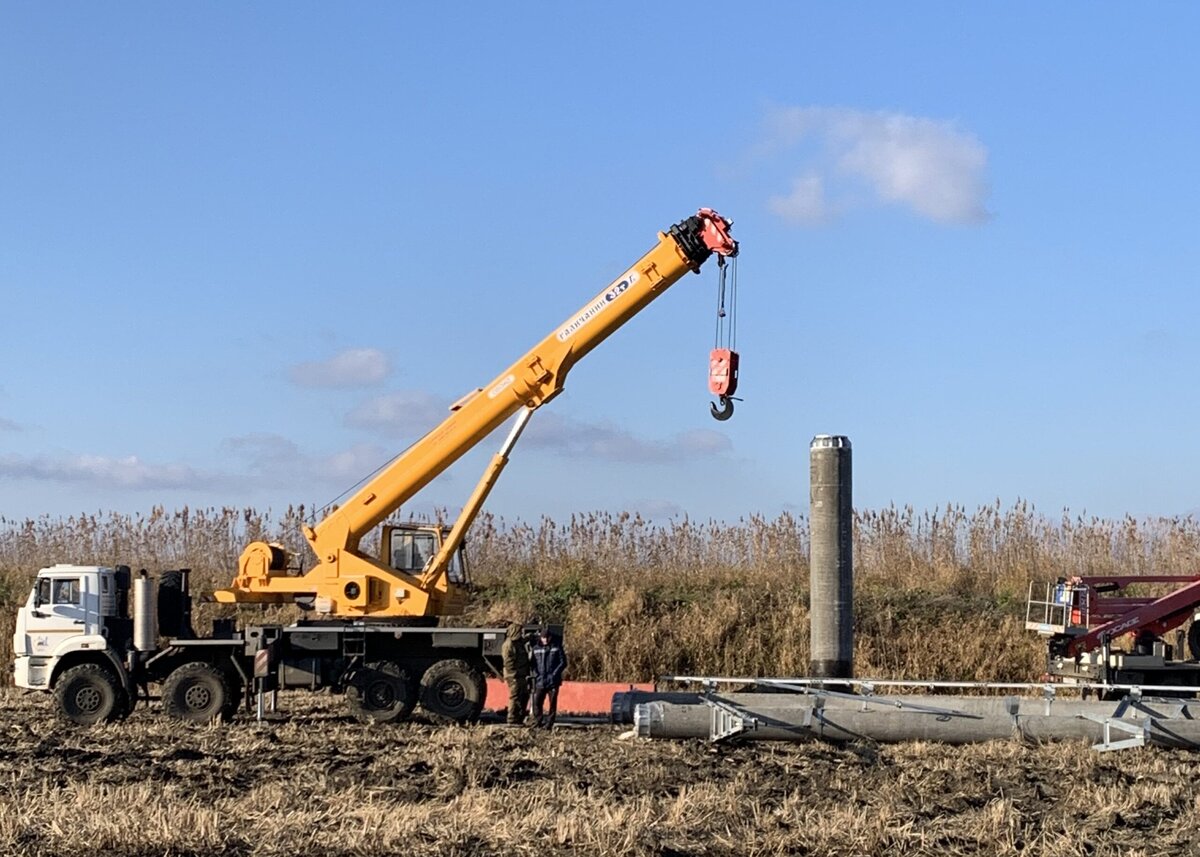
598 305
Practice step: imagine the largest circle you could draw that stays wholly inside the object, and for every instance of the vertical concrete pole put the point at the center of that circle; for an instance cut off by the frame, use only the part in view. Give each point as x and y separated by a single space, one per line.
830 563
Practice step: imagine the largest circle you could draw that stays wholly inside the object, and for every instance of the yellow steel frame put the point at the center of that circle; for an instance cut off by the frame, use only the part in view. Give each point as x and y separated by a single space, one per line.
347 582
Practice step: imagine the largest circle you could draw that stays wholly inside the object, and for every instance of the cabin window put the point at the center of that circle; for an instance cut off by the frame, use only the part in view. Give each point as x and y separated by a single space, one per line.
410 551
455 572
66 590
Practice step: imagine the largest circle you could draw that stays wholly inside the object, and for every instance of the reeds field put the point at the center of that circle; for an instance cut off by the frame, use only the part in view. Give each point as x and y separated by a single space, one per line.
937 595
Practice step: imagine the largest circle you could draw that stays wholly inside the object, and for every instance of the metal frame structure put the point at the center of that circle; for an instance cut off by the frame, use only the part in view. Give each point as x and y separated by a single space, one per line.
729 721
805 685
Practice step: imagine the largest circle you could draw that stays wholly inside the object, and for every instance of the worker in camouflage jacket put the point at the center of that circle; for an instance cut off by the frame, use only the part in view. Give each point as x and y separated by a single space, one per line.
515 653
549 662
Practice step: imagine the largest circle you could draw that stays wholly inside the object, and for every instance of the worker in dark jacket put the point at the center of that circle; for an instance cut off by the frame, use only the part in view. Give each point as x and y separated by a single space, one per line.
515 653
549 662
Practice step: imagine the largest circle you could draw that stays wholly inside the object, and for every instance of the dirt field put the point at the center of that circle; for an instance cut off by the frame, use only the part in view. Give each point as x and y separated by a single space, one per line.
320 783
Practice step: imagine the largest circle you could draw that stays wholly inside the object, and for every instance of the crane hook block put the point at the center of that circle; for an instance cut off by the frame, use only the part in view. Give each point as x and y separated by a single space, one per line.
722 372
722 380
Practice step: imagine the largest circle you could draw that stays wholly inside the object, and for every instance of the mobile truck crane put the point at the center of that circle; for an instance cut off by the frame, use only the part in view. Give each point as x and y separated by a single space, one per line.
373 634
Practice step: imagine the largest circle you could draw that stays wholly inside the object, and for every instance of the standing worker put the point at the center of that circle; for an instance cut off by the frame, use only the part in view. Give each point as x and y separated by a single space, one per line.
549 663
515 653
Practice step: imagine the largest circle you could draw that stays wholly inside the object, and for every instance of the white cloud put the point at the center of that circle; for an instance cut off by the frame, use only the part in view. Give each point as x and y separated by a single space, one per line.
574 438
355 367
279 461
412 413
254 462
927 165
699 442
9 425
129 472
805 204
401 414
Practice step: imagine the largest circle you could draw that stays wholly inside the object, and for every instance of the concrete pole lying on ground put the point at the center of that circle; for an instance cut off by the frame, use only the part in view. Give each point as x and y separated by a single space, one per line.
887 719
831 562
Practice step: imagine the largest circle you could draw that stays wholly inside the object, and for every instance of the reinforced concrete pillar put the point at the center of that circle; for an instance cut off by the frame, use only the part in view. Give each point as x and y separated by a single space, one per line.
830 561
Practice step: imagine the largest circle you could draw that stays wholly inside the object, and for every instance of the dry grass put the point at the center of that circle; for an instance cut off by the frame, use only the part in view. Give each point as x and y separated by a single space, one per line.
321 784
938 594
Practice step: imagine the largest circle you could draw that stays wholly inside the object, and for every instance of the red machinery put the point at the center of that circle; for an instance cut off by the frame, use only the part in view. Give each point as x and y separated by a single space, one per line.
1083 618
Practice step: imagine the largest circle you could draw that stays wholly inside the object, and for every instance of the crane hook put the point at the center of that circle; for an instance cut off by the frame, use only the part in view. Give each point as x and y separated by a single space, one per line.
724 412
722 380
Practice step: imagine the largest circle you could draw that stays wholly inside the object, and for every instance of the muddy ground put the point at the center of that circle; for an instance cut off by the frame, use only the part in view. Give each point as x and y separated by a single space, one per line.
320 783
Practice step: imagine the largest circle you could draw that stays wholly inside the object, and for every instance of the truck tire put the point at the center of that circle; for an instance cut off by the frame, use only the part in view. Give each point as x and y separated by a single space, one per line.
89 694
199 693
381 692
453 691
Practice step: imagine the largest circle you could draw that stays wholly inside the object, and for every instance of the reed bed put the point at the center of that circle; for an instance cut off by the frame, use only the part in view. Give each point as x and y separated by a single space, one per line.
939 594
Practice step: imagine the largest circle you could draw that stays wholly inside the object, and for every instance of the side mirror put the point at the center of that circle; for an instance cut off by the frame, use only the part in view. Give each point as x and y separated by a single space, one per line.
37 602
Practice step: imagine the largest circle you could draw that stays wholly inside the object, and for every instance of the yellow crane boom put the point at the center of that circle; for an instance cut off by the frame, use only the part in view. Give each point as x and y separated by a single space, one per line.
346 582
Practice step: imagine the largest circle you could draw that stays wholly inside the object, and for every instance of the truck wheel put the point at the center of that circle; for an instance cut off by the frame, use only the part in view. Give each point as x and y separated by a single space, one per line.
199 693
88 694
453 692
381 692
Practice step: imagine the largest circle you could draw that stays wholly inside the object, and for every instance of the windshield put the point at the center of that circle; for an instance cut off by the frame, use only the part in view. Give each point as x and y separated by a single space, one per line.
66 591
410 551
456 573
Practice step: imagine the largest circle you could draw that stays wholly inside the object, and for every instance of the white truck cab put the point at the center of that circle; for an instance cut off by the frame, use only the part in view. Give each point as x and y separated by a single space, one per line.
77 637
65 614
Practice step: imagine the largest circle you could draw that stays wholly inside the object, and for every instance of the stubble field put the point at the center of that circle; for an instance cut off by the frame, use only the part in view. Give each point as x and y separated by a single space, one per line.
320 783
938 595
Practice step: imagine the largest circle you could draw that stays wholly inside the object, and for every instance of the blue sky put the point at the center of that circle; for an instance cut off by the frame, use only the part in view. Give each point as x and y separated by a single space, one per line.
249 252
